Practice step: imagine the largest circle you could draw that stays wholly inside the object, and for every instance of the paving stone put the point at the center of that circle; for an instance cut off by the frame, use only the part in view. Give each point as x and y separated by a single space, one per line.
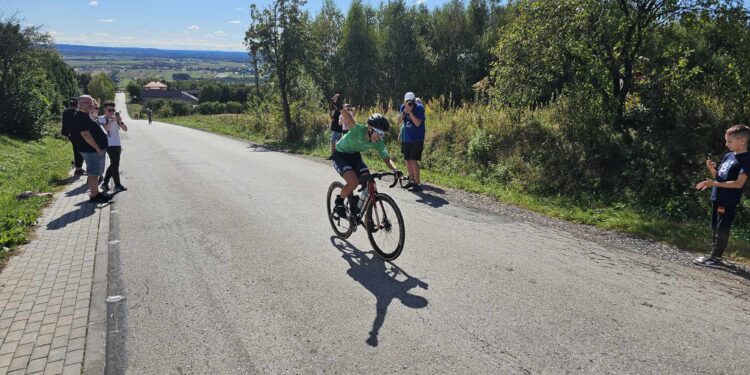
39 352
53 368
36 365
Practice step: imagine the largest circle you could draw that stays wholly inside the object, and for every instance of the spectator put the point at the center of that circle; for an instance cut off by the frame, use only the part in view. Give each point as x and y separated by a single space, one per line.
412 119
112 124
727 185
67 127
91 142
336 130
150 115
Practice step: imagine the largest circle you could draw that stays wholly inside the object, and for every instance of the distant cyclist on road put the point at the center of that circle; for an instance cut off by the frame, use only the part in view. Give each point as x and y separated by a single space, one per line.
347 159
150 115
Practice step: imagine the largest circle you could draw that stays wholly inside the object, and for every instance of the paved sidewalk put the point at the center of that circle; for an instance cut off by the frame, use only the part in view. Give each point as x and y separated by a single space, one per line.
46 288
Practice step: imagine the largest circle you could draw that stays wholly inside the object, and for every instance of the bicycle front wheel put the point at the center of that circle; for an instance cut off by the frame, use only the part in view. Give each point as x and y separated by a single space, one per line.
385 227
342 226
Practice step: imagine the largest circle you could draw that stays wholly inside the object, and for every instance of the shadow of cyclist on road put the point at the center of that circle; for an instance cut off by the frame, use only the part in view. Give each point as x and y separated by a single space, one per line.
385 281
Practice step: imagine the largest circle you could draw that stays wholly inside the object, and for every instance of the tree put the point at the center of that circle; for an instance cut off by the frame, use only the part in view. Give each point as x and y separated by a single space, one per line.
101 87
360 56
326 36
83 82
403 58
278 34
135 91
24 85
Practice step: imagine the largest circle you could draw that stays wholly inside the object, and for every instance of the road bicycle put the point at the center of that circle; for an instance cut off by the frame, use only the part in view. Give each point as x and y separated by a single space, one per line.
374 211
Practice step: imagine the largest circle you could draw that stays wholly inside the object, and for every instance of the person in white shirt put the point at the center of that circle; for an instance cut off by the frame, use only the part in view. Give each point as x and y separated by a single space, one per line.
344 125
112 123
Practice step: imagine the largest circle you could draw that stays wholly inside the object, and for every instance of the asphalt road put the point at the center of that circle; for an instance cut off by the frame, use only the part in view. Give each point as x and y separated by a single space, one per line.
228 265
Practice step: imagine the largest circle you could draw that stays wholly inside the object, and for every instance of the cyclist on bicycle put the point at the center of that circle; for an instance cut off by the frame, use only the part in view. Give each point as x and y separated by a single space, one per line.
347 159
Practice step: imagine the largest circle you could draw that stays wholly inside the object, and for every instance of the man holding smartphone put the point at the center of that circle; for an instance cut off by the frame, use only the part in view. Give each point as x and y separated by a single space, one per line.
112 123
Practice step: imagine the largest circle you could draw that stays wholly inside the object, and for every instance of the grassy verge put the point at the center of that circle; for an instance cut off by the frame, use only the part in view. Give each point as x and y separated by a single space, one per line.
37 166
689 235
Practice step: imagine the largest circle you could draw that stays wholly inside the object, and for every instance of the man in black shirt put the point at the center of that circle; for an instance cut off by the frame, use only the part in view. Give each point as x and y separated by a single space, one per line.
91 141
67 126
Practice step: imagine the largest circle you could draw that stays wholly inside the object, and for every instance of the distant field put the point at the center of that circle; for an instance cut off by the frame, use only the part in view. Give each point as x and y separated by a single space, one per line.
127 64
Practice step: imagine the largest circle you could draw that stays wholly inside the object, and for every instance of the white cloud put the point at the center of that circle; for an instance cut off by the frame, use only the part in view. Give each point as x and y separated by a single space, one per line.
193 27
128 38
237 8
100 34
94 3
235 21
208 36
220 33
106 20
420 2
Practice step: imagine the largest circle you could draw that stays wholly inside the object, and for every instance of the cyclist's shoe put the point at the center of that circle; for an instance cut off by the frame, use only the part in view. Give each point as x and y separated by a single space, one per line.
416 187
709 261
339 209
409 184
372 227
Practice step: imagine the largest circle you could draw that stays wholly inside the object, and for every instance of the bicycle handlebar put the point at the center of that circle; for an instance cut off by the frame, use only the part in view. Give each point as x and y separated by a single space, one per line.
396 181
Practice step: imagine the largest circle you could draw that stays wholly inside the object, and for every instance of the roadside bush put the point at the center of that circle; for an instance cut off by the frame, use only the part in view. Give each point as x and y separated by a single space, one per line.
234 107
179 108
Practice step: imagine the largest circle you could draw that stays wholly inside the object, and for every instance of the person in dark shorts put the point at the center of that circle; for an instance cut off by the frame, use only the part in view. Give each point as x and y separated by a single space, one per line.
91 142
726 191
67 127
347 157
412 119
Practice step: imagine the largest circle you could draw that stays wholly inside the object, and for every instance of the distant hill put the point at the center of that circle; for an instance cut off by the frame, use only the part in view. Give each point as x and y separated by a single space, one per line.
75 50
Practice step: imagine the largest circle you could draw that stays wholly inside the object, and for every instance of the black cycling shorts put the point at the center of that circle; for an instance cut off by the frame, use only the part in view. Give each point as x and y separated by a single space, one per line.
412 150
343 162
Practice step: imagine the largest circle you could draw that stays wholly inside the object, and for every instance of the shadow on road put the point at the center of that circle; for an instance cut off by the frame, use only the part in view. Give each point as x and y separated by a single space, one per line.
431 200
385 282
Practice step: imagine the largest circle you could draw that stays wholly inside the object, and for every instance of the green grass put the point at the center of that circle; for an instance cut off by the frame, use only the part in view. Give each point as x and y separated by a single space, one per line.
38 166
688 235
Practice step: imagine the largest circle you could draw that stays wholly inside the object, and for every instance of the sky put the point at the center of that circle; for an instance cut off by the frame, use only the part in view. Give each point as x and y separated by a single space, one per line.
168 24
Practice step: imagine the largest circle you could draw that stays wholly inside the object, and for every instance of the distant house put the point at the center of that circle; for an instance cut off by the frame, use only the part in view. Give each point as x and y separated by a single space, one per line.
157 90
155 85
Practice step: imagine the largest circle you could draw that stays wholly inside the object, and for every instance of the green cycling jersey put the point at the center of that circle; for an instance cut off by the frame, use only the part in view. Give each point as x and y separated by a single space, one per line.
356 140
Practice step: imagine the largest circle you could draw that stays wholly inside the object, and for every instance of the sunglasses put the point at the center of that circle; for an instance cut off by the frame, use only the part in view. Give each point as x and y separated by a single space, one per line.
379 132
110 109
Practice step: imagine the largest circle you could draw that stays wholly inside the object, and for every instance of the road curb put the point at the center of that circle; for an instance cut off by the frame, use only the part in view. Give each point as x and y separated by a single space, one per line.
96 336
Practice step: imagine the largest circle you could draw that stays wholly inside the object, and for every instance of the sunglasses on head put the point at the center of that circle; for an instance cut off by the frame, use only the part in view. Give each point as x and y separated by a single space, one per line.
379 132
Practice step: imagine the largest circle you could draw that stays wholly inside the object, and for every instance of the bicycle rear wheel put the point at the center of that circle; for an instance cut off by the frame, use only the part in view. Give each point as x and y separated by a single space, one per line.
385 227
342 226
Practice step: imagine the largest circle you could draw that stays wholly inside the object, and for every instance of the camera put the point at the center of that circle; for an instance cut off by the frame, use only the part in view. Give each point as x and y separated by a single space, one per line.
117 113
410 103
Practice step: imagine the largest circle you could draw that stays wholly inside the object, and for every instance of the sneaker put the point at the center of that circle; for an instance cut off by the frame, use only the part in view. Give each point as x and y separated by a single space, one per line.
120 188
408 185
339 209
416 187
330 157
79 172
709 261
105 186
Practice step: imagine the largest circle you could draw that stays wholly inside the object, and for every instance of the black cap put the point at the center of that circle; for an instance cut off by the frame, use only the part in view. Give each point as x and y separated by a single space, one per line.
72 101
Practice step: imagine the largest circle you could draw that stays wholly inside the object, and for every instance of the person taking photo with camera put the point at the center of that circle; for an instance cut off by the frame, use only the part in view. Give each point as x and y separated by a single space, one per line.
412 118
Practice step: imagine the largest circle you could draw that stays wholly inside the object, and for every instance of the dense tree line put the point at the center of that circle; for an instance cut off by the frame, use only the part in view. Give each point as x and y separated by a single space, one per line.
616 98
34 81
